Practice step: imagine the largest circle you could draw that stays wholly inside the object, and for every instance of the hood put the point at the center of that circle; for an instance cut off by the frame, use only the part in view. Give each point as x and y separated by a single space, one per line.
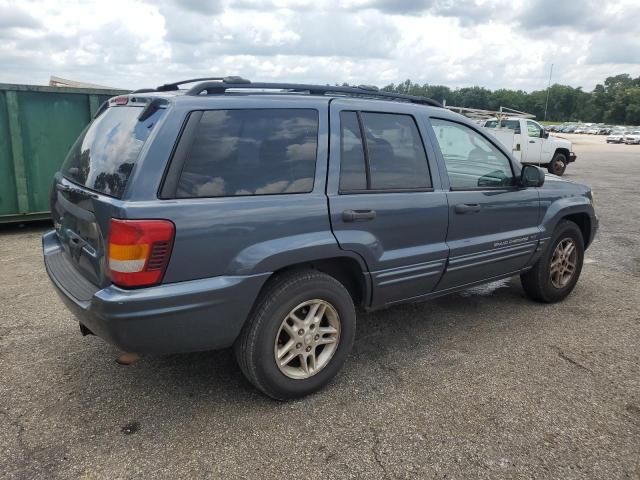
563 142
555 183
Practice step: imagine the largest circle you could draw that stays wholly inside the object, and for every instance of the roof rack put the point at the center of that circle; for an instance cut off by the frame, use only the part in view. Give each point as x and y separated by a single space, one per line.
167 87
478 113
221 85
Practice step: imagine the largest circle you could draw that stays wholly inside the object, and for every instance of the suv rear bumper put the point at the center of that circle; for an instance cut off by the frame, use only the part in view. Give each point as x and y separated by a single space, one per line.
191 316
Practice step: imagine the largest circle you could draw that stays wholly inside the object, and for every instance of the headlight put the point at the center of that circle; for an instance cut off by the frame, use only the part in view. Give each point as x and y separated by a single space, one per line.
593 198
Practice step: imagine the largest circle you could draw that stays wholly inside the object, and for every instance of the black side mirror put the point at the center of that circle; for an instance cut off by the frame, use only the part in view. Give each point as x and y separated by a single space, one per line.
532 176
545 134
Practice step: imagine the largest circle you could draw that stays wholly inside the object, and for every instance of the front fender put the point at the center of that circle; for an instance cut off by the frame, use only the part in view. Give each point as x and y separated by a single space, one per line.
560 208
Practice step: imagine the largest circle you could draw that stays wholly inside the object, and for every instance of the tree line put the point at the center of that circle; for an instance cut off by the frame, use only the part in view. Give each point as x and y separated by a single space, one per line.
616 101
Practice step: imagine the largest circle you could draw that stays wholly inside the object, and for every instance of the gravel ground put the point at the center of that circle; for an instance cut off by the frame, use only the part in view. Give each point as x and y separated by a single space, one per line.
484 384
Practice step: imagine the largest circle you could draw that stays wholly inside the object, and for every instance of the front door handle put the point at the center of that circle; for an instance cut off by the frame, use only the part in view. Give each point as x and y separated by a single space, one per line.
468 208
356 215
532 141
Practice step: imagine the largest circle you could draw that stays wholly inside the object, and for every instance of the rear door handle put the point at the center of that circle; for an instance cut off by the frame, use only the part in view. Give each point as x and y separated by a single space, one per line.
356 215
468 208
532 141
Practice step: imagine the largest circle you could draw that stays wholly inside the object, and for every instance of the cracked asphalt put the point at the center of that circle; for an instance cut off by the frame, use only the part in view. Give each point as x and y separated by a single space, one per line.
484 384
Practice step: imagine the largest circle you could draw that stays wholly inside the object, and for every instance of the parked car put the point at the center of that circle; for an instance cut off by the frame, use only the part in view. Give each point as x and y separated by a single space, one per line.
569 129
616 136
582 129
632 138
223 215
597 130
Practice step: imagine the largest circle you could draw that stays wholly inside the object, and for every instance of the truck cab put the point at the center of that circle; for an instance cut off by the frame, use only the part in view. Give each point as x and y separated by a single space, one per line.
531 144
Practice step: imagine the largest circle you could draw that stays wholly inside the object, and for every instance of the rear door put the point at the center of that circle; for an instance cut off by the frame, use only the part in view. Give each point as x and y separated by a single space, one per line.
94 177
385 203
493 223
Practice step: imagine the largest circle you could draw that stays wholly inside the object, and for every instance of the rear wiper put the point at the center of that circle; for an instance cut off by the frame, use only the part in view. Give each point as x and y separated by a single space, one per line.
76 191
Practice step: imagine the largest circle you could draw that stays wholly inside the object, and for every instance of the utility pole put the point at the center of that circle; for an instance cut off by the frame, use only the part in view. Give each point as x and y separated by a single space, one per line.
546 105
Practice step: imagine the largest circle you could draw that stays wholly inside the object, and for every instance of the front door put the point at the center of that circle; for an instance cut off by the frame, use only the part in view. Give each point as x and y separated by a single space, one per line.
493 223
535 142
383 203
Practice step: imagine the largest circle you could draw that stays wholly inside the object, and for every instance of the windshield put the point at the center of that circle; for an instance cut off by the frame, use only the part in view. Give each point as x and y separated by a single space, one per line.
104 155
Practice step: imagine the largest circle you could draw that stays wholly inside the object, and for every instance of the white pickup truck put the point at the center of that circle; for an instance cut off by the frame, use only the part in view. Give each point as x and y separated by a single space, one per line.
535 146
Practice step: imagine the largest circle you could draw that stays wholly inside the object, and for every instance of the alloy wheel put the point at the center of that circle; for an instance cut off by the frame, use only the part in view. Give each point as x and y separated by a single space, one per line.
307 339
563 263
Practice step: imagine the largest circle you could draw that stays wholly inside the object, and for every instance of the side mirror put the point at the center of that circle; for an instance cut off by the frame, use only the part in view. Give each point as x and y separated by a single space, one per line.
531 176
545 134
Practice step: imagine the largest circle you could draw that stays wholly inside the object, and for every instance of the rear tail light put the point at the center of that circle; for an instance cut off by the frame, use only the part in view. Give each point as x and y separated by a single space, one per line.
139 251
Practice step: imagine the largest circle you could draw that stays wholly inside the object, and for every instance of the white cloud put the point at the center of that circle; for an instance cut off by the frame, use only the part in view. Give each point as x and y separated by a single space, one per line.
496 44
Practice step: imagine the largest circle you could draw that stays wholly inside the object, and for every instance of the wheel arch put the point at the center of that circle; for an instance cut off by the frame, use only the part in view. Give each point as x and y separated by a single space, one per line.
346 269
576 209
583 220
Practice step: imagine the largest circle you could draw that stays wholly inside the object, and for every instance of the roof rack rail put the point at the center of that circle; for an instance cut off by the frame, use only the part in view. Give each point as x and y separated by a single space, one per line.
167 87
478 113
218 87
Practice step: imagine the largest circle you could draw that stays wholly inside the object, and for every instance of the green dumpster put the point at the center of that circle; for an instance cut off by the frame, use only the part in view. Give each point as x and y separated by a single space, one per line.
38 125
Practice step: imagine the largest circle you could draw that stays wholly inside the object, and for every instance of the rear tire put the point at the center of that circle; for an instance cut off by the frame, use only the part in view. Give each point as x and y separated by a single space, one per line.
307 317
555 274
558 164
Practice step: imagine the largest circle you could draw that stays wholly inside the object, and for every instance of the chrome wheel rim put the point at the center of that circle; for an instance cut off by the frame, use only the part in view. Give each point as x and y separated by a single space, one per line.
307 339
563 263
558 166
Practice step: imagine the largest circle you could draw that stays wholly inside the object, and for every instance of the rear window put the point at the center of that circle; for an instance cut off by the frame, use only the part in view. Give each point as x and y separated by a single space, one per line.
104 155
251 152
510 124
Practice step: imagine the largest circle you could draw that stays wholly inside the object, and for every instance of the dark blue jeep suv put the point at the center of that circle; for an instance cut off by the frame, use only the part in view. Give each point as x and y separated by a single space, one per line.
260 216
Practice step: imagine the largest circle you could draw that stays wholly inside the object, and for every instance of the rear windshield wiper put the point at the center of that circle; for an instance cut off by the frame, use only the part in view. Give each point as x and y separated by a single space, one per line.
76 191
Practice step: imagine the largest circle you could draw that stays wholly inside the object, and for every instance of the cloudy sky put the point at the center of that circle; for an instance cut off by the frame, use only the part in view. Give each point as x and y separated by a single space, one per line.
496 44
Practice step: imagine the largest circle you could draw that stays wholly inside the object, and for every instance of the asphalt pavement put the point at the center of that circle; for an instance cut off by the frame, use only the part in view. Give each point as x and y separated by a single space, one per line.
483 384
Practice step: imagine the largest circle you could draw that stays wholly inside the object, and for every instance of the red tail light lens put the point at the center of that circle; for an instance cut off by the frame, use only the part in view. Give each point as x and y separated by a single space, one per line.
139 251
121 100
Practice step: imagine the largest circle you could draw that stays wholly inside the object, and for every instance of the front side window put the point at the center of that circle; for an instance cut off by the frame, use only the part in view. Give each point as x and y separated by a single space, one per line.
391 157
251 152
533 129
472 161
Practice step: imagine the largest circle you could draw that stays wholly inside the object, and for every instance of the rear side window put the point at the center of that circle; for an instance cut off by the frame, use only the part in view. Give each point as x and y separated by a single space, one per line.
251 152
392 157
396 154
104 155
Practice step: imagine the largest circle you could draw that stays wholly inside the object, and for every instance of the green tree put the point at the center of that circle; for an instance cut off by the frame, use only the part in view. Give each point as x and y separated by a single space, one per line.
616 100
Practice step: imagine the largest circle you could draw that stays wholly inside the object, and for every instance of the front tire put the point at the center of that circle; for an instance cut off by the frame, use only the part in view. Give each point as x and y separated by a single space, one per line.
558 164
555 274
298 335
